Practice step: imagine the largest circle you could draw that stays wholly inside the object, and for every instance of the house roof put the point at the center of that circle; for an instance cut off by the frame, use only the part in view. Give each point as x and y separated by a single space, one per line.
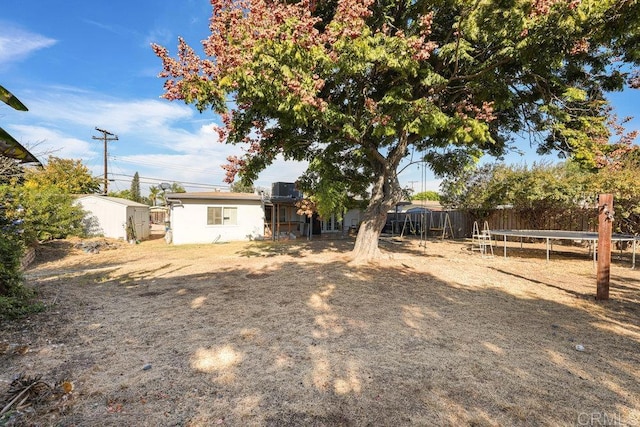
118 200
213 195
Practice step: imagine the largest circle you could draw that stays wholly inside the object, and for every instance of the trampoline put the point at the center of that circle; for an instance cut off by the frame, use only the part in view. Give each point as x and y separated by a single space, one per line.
549 235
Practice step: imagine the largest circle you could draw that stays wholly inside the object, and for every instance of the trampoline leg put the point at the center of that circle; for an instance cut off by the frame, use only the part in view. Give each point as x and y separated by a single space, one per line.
633 257
548 249
505 245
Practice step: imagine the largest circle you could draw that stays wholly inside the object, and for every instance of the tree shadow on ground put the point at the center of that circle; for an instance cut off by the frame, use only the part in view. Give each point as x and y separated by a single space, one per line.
298 247
559 252
52 251
303 247
291 342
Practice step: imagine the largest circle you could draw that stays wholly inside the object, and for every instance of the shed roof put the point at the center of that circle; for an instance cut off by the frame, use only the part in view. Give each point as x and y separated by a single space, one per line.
118 200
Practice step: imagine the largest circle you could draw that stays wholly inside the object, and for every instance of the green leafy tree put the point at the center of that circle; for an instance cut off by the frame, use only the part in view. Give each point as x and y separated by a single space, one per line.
13 295
46 212
68 175
545 191
10 170
355 86
176 188
12 292
154 193
123 194
542 191
624 183
477 190
240 187
426 195
135 188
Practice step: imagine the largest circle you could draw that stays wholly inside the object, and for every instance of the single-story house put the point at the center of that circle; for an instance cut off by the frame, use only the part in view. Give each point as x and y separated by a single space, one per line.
115 217
218 216
215 216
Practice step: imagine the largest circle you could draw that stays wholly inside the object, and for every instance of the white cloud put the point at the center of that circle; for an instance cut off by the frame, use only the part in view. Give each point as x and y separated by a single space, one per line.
281 171
161 36
158 139
183 168
198 172
43 142
17 44
116 115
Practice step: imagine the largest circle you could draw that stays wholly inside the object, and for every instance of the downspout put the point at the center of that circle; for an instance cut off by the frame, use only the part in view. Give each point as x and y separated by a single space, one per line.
264 212
273 222
168 236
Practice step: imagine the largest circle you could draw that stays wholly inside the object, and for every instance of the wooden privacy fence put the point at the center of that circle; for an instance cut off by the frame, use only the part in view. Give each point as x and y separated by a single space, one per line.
578 219
509 219
569 219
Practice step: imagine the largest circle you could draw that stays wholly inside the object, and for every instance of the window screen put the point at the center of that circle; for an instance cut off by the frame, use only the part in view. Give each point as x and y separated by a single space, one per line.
222 216
230 216
214 216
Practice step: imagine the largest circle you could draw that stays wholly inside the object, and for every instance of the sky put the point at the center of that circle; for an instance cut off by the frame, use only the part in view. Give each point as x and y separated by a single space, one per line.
79 65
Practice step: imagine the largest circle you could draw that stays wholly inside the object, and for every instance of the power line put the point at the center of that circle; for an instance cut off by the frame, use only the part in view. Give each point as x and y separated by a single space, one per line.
151 180
201 187
167 165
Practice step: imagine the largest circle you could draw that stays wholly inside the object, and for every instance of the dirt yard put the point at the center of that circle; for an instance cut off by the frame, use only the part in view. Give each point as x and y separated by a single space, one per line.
289 334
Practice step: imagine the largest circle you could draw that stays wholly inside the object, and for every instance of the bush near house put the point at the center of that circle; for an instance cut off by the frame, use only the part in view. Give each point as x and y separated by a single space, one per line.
14 297
30 214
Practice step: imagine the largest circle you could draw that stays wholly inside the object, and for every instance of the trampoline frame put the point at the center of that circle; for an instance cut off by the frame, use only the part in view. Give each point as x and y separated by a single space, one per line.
549 235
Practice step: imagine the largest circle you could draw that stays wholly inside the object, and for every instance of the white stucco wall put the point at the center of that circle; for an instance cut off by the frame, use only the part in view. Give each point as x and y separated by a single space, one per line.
352 218
189 222
109 218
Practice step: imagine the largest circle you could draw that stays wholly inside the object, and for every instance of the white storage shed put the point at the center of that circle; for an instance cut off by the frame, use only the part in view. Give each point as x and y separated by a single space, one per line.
113 217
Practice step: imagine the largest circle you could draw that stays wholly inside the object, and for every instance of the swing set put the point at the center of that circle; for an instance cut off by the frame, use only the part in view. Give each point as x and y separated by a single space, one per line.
425 222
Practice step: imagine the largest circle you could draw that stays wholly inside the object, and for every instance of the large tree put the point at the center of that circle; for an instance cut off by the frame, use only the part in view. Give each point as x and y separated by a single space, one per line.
135 188
68 175
354 87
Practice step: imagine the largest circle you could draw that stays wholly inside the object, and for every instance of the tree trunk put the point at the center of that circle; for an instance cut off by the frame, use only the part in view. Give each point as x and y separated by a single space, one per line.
385 194
366 247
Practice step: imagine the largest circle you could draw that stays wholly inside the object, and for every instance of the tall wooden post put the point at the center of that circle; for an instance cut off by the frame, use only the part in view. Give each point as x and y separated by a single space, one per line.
105 138
605 225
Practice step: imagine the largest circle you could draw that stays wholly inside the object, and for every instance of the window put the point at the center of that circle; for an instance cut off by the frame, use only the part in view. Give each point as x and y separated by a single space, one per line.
331 224
222 216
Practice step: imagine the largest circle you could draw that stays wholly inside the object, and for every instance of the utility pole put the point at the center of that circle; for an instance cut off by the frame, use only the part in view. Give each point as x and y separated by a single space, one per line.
106 139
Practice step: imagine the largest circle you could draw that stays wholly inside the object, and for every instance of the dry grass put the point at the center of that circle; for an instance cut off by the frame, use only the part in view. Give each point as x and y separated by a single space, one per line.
289 334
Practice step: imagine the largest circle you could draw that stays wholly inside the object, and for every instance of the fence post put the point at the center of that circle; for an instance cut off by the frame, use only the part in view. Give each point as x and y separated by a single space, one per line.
605 225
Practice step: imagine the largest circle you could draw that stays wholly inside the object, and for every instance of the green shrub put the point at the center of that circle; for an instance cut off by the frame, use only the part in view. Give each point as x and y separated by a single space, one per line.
14 297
